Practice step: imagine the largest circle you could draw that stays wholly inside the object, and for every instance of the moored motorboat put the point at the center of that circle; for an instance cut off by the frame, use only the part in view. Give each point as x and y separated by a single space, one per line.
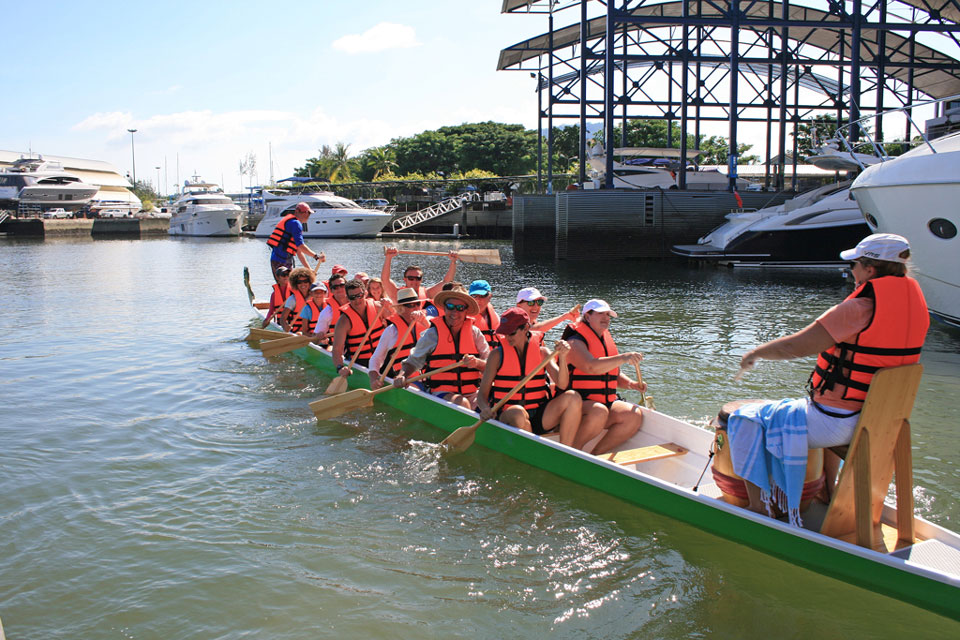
38 182
655 168
668 481
915 195
203 210
332 217
808 230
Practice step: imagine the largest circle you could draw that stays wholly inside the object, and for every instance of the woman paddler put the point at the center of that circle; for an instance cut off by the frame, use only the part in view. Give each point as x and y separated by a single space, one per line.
883 323
536 408
486 319
451 337
306 320
350 335
281 291
531 300
407 310
595 374
300 280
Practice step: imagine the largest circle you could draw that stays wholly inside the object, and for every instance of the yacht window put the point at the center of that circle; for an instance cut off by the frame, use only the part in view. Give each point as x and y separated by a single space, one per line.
942 228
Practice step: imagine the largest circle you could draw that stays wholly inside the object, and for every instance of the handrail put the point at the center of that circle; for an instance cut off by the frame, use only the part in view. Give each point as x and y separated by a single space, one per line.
431 212
878 145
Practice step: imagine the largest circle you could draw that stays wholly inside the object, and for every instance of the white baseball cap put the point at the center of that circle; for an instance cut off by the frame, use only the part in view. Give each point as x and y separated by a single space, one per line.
879 246
529 295
599 306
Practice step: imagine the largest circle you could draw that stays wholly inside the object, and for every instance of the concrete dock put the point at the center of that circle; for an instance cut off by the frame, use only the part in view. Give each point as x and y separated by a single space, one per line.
40 228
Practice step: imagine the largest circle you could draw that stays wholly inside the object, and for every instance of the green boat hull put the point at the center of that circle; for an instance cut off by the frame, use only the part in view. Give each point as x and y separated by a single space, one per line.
843 561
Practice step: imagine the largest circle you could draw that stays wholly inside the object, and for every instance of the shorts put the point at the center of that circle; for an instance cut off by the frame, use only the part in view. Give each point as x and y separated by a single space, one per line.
536 419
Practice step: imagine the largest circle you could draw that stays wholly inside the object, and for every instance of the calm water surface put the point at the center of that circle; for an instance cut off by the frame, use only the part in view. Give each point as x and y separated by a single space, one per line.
161 479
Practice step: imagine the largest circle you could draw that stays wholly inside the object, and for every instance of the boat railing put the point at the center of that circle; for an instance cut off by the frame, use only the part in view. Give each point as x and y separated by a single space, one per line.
843 132
431 212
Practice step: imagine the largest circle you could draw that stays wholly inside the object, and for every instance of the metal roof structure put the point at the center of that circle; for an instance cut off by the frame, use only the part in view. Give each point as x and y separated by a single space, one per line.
693 61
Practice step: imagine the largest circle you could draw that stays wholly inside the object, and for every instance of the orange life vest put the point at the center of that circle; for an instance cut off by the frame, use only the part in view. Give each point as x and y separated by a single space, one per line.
408 343
598 387
297 325
533 394
462 380
358 329
281 237
299 301
894 337
278 297
488 321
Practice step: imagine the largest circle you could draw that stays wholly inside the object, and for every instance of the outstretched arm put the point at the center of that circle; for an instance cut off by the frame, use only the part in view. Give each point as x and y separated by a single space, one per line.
806 342
389 286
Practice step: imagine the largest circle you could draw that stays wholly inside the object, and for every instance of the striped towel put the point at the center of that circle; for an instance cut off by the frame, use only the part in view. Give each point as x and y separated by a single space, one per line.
768 447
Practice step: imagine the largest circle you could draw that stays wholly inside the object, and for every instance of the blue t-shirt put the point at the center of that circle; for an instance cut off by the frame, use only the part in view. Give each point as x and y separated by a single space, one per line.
295 229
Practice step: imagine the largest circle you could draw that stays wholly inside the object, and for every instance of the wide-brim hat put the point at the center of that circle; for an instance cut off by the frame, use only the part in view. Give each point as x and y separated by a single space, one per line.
460 296
408 295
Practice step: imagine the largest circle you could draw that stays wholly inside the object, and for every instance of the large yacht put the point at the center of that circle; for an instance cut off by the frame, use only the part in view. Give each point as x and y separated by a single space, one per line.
654 168
808 230
204 210
332 217
916 195
33 181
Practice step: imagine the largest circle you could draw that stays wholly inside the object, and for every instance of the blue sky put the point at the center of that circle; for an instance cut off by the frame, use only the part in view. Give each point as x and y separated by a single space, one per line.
214 81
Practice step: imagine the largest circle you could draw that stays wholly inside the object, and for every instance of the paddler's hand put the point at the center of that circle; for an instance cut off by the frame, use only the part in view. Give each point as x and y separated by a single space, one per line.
562 347
391 251
637 385
632 358
375 380
487 413
473 362
573 314
400 381
345 371
321 258
453 255
749 360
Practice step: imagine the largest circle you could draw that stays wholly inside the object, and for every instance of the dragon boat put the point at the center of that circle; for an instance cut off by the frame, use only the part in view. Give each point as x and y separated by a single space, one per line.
857 538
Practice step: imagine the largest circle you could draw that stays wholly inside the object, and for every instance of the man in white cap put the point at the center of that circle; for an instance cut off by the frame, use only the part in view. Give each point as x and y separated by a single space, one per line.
531 300
883 323
595 374
287 240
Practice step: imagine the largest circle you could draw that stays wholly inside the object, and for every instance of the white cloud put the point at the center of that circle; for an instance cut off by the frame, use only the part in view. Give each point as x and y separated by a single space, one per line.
383 36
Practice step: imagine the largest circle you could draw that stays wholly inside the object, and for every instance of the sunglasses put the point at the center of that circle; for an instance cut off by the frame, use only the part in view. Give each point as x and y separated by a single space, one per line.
299 281
479 295
450 306
414 305
417 278
537 303
355 296
283 275
337 286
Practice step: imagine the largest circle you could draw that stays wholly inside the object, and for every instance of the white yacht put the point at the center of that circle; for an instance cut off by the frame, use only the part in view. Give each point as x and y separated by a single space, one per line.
917 195
38 182
332 217
204 210
808 230
654 168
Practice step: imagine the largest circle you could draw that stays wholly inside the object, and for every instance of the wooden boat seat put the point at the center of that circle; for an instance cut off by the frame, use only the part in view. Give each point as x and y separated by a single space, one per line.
880 447
261 305
644 454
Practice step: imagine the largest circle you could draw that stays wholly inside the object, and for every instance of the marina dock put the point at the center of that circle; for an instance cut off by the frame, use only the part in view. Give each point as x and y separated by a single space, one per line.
40 228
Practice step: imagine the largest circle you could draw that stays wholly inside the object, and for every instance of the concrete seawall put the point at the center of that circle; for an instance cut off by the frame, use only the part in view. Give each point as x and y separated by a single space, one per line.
38 228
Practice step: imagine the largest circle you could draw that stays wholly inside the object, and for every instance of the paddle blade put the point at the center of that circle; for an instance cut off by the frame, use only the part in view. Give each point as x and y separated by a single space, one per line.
267 334
482 256
461 439
276 347
339 385
327 408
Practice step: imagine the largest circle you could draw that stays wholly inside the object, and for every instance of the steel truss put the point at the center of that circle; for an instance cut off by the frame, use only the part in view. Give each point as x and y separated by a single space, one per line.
695 61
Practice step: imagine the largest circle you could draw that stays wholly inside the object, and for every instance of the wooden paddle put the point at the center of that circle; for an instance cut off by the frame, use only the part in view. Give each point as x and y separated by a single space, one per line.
396 352
462 438
283 345
267 334
339 383
359 398
645 399
483 256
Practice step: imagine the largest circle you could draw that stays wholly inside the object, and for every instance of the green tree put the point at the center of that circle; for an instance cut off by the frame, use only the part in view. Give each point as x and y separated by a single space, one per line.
376 162
717 151
342 165
430 151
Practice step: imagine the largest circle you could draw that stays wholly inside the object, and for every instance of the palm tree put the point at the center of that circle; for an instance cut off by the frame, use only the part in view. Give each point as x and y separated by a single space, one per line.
341 162
380 159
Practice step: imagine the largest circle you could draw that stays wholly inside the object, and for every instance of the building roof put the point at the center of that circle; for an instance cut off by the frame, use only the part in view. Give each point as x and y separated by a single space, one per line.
95 172
937 83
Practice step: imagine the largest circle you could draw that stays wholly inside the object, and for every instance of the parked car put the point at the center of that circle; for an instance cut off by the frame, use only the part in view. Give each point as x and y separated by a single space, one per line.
113 213
59 212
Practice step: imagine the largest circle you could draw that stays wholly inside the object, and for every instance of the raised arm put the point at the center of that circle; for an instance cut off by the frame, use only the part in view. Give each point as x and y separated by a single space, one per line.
389 286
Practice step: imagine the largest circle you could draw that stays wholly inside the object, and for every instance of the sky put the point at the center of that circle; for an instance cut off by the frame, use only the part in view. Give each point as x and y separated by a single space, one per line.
211 82
207 84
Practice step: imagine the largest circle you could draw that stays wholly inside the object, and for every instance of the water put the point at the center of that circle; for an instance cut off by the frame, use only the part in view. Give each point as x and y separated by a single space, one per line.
161 479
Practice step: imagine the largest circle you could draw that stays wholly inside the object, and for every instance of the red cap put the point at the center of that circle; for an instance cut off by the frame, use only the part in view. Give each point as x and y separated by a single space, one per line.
338 269
303 207
511 320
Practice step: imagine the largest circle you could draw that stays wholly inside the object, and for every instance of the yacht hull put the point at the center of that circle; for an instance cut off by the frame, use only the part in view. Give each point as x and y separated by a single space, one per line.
207 224
347 223
916 196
